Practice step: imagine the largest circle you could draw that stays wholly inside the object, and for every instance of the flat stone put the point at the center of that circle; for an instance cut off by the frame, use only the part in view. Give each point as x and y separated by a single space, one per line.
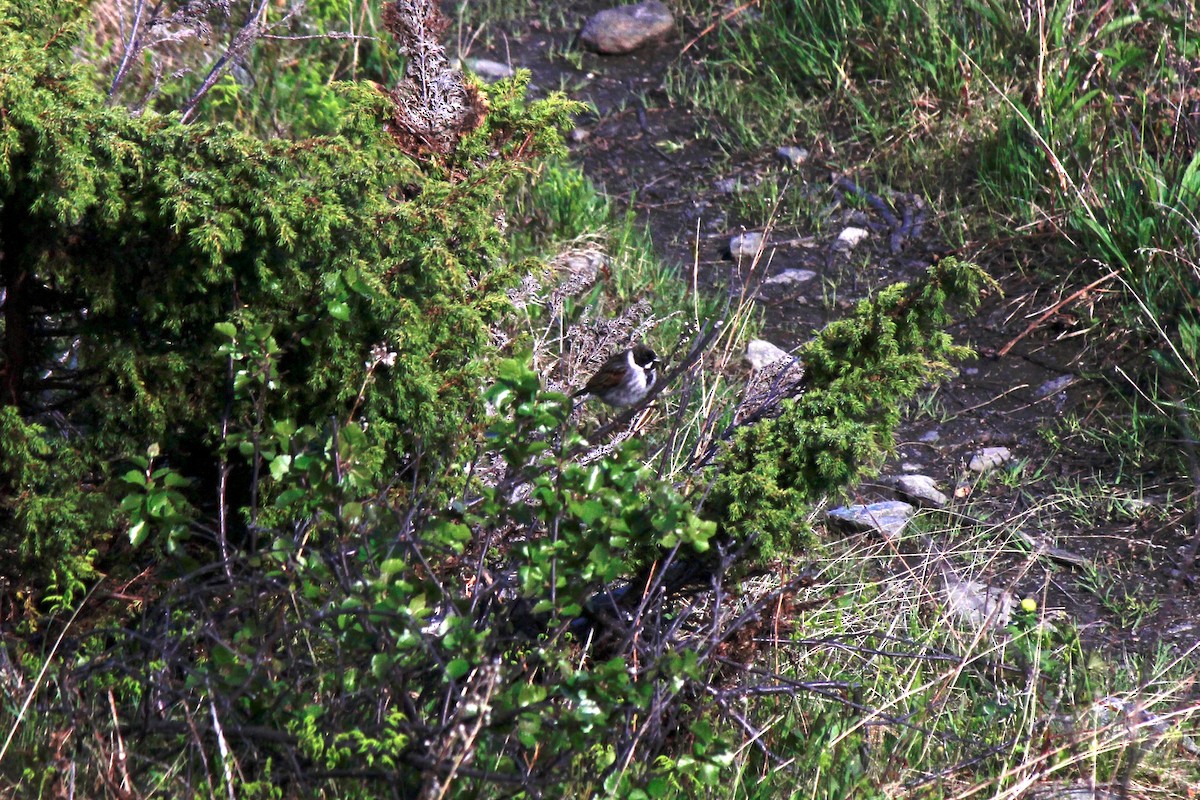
792 156
988 458
761 353
922 490
887 519
615 31
929 437
490 71
789 276
578 135
746 245
849 238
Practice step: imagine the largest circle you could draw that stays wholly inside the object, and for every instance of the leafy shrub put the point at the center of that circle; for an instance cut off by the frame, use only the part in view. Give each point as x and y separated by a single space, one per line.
130 239
470 647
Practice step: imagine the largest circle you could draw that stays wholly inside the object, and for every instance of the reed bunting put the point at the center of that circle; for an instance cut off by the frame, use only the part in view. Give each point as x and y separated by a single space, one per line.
625 378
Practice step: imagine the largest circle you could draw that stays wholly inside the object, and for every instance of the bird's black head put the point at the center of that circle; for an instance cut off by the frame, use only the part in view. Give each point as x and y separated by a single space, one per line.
644 357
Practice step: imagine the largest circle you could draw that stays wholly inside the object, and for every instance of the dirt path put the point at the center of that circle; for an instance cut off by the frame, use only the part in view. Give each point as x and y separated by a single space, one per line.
643 151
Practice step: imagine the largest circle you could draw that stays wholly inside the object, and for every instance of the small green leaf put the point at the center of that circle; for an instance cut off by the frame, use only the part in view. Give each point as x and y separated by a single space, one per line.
280 466
288 497
135 477
339 309
380 664
457 668
174 479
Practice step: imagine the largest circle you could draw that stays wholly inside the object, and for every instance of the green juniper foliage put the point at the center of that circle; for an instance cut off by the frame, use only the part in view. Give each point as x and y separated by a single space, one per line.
859 372
128 239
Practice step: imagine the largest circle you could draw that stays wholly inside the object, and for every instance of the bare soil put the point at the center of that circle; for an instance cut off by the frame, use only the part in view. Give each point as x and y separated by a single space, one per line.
1138 540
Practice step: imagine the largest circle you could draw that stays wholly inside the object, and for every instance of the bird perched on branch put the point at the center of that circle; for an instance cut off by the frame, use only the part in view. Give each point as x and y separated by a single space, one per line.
625 378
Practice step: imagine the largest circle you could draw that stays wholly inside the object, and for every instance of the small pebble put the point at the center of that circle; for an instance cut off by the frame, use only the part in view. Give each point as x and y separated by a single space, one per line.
922 490
792 156
746 245
988 459
849 238
760 353
792 276
729 186
1055 385
490 71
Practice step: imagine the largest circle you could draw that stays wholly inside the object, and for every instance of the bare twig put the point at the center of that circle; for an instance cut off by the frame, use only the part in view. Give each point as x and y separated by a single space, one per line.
713 26
1054 309
243 40
333 36
135 43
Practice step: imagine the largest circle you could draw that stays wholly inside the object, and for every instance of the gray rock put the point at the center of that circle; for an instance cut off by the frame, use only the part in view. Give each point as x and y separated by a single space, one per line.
761 353
490 71
792 156
849 238
746 245
976 604
929 437
729 186
922 490
616 31
789 276
580 135
988 458
1055 385
887 519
